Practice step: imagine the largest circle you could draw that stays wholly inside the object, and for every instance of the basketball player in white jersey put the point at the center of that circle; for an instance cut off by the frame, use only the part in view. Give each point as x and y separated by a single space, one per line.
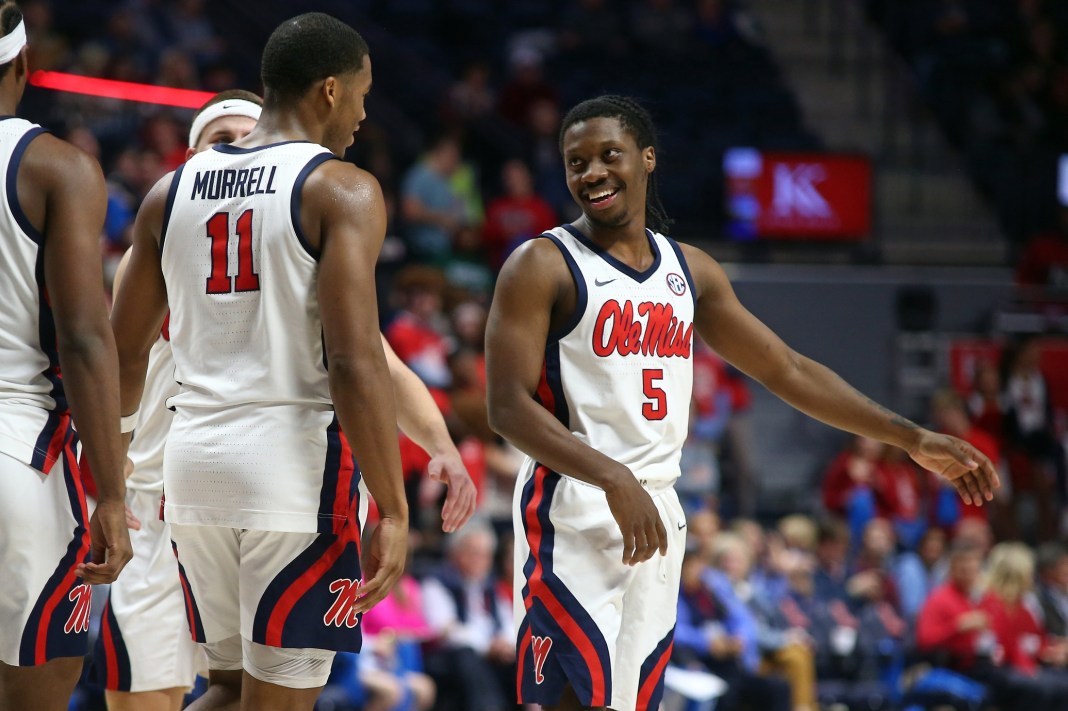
264 251
57 362
144 654
589 351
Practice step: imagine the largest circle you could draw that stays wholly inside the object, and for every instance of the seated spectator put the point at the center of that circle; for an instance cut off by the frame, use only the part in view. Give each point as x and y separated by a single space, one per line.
1021 645
986 405
1052 563
416 333
472 660
951 629
916 573
431 208
714 629
517 215
785 650
1029 423
850 485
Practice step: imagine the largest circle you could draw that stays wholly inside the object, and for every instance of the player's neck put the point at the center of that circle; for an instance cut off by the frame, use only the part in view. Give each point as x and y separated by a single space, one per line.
276 126
627 242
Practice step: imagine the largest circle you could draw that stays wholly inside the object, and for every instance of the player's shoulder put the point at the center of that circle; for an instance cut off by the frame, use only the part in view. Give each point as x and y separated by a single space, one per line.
54 161
336 174
540 253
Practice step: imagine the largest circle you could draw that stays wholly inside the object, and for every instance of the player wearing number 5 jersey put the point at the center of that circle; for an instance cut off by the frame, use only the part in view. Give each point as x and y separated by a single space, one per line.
588 351
264 250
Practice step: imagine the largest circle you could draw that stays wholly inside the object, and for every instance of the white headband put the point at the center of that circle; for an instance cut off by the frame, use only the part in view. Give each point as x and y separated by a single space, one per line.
230 107
12 43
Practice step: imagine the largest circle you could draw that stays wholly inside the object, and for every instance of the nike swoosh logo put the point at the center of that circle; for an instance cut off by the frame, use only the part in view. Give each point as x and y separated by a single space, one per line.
682 525
598 282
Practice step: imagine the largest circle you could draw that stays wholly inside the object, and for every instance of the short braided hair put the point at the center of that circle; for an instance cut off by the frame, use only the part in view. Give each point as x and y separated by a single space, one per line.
636 121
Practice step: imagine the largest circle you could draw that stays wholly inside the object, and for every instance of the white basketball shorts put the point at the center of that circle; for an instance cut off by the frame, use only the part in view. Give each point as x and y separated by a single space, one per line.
584 618
44 536
144 642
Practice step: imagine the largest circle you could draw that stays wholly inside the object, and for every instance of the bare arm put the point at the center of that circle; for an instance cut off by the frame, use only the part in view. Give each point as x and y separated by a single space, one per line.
419 418
816 390
519 322
74 206
344 207
140 299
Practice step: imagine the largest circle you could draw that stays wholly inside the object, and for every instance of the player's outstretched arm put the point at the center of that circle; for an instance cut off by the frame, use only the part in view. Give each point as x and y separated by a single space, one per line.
419 418
528 290
342 206
74 206
816 390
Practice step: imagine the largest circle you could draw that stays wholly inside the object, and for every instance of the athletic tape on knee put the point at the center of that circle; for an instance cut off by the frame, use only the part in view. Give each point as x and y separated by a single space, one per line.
291 668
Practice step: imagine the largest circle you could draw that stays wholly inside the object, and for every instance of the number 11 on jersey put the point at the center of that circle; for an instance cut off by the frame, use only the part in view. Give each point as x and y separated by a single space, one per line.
220 281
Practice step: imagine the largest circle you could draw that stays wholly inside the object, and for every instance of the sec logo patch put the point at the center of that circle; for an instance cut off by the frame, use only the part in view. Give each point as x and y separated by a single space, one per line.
676 283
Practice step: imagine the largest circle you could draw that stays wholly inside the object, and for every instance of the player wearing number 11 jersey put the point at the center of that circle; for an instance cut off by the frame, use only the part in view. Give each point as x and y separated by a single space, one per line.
588 355
264 250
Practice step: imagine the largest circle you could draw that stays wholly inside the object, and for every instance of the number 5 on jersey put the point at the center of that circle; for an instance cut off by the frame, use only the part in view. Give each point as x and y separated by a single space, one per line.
657 409
220 281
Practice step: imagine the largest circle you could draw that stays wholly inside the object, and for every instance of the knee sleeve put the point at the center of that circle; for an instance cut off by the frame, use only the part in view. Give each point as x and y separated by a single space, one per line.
291 668
224 655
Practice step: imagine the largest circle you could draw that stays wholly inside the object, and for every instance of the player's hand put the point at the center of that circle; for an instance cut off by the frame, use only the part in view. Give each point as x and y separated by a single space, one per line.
638 519
383 561
959 463
109 548
449 470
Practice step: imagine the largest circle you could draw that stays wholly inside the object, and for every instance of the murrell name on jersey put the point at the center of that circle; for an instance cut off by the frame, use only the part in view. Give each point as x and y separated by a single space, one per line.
229 183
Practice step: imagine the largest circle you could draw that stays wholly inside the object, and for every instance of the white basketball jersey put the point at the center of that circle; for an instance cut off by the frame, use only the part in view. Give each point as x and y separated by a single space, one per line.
34 419
619 375
146 448
254 442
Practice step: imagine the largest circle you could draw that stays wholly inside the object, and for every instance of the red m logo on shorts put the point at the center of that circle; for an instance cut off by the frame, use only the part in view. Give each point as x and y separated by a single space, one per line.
541 647
82 597
343 611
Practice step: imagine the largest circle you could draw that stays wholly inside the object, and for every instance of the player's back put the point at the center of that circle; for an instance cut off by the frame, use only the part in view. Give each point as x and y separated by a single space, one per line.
33 407
253 410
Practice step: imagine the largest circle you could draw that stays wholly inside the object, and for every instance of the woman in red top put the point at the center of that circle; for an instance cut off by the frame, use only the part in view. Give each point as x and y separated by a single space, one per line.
1022 645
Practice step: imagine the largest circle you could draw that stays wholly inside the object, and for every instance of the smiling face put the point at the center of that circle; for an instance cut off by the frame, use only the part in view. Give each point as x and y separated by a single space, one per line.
607 172
349 93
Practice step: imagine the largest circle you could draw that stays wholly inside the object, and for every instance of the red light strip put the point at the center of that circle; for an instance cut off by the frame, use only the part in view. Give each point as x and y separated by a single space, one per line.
125 90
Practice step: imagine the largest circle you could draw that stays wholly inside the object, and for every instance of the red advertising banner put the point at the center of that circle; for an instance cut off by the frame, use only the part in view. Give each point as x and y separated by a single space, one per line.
797 195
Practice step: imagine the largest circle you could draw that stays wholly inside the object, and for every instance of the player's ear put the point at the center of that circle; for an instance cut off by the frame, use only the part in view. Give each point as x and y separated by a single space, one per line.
649 158
330 90
190 152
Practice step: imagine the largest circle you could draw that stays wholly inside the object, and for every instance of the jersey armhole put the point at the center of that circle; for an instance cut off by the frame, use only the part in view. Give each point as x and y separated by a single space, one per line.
581 296
685 267
294 202
12 185
168 206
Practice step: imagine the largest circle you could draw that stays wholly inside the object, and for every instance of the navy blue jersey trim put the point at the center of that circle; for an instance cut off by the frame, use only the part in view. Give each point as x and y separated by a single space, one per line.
294 201
685 267
236 150
625 268
581 295
169 206
12 185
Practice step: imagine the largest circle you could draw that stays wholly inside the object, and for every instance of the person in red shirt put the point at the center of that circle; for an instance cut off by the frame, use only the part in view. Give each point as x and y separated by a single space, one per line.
1022 645
1044 262
517 215
951 628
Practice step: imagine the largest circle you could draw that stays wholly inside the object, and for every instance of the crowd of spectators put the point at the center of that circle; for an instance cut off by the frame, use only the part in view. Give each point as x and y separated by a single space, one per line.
799 613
